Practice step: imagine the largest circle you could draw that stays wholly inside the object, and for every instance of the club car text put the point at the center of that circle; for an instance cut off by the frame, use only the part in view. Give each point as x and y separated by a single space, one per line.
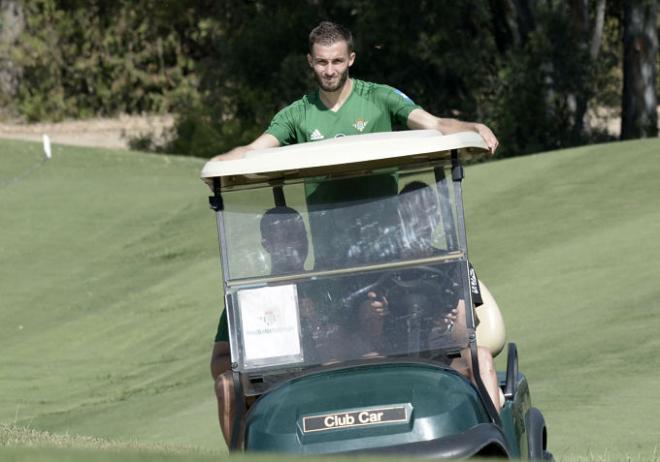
354 419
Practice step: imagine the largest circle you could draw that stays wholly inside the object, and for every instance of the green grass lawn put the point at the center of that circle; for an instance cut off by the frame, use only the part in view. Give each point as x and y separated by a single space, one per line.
109 297
569 242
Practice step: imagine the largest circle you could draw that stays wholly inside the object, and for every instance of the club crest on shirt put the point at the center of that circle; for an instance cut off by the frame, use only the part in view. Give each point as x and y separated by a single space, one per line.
316 135
360 124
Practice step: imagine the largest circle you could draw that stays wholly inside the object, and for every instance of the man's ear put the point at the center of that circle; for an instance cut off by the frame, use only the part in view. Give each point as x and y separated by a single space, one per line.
351 58
265 243
309 60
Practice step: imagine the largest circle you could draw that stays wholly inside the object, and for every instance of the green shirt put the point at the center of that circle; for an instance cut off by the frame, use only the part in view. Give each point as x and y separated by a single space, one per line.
370 108
222 334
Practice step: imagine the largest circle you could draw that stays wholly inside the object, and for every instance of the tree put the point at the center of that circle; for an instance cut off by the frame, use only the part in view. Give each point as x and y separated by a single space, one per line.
639 116
589 42
529 69
551 66
12 23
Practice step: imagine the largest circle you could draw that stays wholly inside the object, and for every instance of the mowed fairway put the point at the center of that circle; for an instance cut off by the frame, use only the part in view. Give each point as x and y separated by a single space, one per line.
570 244
109 295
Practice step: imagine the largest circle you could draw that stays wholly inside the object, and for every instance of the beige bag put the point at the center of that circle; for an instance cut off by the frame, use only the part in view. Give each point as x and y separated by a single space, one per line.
491 332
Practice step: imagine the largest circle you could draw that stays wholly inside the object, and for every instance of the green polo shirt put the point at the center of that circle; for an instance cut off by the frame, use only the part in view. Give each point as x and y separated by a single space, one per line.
370 108
222 334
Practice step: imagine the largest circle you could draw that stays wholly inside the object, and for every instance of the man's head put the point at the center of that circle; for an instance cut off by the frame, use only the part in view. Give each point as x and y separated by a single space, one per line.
330 55
284 237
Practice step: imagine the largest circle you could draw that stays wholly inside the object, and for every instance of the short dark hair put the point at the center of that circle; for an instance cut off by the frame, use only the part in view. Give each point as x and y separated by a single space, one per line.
413 186
327 33
279 216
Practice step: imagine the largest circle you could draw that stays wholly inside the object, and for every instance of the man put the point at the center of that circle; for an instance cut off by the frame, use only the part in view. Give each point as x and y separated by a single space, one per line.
346 106
418 215
284 237
418 211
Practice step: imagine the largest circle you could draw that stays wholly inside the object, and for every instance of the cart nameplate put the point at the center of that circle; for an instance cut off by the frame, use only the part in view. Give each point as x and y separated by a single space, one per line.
355 418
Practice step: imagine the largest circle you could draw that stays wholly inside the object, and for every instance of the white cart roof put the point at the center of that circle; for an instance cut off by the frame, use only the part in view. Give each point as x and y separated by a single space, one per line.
374 150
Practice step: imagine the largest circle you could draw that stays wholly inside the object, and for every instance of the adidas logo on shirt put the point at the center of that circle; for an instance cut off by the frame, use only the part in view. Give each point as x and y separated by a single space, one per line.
316 135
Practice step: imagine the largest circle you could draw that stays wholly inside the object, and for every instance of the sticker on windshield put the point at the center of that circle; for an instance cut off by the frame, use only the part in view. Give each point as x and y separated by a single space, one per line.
355 418
271 327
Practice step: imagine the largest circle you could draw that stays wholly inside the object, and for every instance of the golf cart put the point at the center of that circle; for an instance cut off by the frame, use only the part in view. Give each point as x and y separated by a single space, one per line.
350 303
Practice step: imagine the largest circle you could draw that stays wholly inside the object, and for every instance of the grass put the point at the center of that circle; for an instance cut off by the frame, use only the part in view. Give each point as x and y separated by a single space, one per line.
109 297
568 242
20 438
110 294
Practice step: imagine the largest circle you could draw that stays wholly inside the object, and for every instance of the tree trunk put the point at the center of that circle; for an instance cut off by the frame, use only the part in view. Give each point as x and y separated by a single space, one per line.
505 30
526 21
639 116
580 14
513 21
12 24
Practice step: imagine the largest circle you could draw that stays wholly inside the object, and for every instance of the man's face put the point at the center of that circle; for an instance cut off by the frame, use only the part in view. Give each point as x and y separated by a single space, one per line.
330 64
286 242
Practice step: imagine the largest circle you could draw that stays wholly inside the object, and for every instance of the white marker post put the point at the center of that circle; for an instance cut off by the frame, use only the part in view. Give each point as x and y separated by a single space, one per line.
47 150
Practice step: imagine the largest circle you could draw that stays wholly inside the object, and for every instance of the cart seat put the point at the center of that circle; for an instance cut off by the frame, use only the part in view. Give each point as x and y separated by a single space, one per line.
491 332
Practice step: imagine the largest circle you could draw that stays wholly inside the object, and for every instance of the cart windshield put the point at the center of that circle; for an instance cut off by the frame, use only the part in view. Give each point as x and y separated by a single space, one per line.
335 224
349 269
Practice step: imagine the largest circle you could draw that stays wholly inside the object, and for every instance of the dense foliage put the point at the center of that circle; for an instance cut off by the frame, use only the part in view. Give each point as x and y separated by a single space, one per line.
97 58
531 70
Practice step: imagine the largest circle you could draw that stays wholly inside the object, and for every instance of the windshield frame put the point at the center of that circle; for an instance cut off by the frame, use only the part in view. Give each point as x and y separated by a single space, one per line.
449 215
449 196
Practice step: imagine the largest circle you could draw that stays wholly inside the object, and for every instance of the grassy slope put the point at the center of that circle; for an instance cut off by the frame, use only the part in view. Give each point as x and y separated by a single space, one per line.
109 283
109 299
569 244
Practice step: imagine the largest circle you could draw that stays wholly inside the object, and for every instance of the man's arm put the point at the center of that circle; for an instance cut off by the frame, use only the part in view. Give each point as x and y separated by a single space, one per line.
420 119
220 359
265 141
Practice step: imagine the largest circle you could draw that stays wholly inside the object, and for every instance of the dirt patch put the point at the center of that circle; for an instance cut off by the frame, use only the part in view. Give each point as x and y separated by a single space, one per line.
117 132
100 132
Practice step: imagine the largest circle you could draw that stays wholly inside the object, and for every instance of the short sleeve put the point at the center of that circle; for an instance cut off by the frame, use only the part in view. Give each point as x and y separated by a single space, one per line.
398 104
283 125
222 335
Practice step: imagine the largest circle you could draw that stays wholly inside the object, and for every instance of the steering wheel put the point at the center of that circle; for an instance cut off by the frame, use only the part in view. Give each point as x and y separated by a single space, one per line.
396 280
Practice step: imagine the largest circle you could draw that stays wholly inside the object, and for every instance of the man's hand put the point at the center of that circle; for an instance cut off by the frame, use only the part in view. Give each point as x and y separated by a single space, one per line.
420 119
488 136
236 153
377 303
265 141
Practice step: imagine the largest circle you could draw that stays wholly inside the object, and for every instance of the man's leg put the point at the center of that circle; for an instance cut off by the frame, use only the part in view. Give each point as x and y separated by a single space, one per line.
224 391
489 376
486 372
464 363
